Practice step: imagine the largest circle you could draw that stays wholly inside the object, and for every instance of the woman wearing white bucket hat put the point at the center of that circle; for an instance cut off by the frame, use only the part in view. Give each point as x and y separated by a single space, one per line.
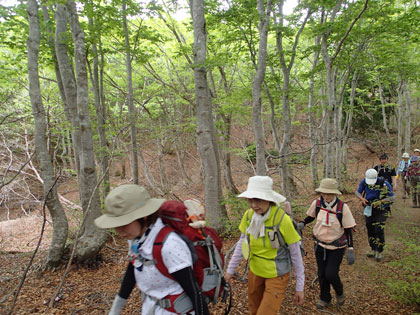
272 246
333 234
130 210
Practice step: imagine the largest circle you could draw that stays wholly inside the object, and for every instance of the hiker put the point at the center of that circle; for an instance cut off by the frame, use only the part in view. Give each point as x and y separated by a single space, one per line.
386 171
333 233
130 210
402 172
413 174
376 195
416 152
270 254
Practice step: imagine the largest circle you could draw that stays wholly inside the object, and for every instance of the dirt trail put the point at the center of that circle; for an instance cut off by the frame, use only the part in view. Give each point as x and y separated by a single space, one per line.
363 282
90 291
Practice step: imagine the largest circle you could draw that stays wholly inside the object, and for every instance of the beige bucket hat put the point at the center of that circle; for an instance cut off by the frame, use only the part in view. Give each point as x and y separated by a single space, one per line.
125 204
328 186
261 187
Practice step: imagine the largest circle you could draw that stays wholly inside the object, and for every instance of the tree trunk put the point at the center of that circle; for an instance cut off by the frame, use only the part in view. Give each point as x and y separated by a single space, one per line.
66 76
400 117
93 238
264 17
58 216
383 103
131 110
206 136
226 133
349 118
100 114
313 135
285 172
407 118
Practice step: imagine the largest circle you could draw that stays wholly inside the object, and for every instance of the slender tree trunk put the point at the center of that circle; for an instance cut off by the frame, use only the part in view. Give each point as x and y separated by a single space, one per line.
162 170
313 136
206 135
400 116
349 118
60 225
66 76
93 238
226 134
285 172
383 103
407 118
131 110
338 130
264 17
100 114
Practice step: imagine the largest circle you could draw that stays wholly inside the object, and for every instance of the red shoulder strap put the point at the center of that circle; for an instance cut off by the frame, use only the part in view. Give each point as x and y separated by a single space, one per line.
157 250
317 207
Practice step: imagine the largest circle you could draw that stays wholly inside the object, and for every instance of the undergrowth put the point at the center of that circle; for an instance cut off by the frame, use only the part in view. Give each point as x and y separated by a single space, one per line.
403 280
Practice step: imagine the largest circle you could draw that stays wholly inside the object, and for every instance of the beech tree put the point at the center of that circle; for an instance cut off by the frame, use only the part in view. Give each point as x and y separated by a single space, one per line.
206 136
60 225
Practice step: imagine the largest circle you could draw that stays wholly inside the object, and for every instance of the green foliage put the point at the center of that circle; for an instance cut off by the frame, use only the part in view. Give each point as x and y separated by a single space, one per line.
403 282
235 207
300 159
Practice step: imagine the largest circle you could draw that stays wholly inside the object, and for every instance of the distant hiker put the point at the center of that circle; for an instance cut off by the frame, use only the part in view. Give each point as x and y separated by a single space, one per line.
413 174
130 210
333 233
402 173
386 171
271 244
376 195
416 152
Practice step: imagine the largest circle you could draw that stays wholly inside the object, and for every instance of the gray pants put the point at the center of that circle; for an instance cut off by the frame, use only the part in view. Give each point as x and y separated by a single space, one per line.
406 185
415 189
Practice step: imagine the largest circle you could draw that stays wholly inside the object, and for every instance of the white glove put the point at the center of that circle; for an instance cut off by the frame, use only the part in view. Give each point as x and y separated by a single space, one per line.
117 305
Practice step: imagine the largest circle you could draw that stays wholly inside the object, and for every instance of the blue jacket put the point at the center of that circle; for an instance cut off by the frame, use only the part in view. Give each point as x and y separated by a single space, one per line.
403 166
377 191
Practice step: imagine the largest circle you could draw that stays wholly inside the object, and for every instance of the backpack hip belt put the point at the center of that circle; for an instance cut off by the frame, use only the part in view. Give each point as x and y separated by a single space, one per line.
176 303
339 242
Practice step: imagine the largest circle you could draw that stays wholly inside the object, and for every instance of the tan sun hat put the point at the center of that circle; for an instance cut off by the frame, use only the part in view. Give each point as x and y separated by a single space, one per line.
328 186
261 187
125 204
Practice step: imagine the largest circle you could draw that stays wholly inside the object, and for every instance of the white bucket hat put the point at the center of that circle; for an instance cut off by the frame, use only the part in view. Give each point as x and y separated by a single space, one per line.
328 186
371 176
405 155
125 204
261 187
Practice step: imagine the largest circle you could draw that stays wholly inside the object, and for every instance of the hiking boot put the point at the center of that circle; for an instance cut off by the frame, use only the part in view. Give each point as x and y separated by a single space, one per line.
340 299
378 256
322 304
371 254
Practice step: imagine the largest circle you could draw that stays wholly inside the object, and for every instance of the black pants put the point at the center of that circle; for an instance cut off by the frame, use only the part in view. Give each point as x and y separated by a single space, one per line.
375 225
328 262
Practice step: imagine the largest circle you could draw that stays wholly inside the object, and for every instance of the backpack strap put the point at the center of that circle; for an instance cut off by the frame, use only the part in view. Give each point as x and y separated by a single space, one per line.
317 207
157 250
338 213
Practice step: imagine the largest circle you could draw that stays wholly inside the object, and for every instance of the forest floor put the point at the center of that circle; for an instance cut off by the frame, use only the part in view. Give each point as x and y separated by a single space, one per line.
91 290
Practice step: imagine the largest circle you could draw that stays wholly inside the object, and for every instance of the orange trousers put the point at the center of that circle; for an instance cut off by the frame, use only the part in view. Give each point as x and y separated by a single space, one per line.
265 295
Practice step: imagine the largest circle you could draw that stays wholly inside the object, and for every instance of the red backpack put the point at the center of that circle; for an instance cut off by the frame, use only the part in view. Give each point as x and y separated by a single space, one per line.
204 243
